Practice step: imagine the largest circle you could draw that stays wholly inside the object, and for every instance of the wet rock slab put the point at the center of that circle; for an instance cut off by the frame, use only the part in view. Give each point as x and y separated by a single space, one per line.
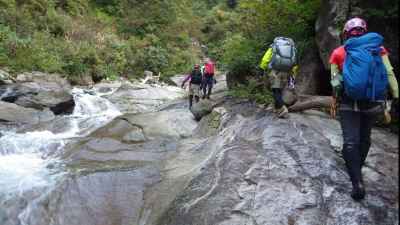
142 98
238 165
273 171
102 198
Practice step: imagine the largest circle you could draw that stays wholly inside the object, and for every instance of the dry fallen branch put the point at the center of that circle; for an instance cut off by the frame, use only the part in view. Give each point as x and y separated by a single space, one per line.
305 102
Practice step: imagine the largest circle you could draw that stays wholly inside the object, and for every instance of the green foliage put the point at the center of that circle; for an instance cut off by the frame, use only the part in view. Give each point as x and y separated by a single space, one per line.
239 37
254 91
98 38
238 54
231 3
384 9
112 38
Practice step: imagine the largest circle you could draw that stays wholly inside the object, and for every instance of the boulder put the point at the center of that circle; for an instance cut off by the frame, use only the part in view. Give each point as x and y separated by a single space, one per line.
48 80
39 91
13 113
174 123
105 87
5 77
134 137
312 78
108 197
148 73
331 19
289 96
201 109
334 13
263 170
57 101
141 98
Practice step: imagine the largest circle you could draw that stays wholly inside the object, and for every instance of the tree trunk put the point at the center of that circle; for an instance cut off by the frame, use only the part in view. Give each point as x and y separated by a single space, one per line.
305 102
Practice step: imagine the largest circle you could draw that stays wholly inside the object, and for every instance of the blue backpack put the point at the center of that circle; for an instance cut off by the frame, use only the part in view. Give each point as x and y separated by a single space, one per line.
364 74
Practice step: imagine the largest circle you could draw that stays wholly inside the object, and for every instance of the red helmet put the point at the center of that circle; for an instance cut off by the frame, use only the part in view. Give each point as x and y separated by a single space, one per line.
355 27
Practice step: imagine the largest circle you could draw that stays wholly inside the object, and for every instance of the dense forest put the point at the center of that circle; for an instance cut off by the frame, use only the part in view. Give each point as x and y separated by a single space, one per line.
112 38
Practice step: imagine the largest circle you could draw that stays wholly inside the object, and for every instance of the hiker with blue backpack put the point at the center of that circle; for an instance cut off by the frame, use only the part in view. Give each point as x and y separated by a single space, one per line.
195 79
361 74
280 62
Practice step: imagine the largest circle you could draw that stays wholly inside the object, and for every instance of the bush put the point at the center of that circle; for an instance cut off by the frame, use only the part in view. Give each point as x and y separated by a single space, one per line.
239 55
253 91
102 39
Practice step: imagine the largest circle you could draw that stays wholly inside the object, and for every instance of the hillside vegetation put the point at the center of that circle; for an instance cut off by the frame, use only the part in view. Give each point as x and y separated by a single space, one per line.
101 38
112 38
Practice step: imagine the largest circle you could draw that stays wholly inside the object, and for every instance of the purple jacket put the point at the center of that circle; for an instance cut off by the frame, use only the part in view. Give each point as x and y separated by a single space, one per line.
187 78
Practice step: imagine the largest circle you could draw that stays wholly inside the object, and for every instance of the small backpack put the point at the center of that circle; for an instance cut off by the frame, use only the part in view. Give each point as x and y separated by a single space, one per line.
196 77
283 54
364 74
209 68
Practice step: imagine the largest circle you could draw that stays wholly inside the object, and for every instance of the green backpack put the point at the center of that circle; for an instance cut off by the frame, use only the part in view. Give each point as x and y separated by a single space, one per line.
196 77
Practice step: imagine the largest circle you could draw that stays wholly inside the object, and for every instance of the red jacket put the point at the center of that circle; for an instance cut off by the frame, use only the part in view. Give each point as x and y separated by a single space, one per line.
339 54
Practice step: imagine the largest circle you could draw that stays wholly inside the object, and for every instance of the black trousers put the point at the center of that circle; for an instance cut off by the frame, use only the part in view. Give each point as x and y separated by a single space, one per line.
277 94
208 83
356 128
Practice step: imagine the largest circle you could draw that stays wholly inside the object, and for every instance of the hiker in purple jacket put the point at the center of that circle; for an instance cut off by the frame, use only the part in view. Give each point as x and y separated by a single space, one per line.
195 79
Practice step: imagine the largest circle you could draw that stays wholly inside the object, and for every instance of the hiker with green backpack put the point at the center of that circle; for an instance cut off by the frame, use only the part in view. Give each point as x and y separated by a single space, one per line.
195 79
360 76
280 62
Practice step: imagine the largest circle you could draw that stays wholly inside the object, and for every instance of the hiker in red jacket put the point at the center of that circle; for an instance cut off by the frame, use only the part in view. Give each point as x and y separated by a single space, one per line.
357 70
208 78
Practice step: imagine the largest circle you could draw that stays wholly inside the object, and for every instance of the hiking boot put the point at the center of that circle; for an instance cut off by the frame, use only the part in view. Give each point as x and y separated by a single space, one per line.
358 192
283 112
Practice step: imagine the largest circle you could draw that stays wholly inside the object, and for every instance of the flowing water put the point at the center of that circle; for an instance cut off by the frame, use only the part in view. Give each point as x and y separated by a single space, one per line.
27 160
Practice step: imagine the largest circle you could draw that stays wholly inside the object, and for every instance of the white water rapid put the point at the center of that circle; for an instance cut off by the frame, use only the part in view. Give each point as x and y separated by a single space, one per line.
26 160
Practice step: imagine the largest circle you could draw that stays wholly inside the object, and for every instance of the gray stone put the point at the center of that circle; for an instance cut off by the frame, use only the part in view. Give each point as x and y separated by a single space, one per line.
39 77
148 73
312 76
13 113
289 96
334 13
136 135
238 165
108 198
39 91
201 109
142 98
5 77
272 171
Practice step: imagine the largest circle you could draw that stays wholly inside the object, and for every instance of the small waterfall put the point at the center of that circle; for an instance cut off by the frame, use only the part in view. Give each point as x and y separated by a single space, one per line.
24 157
6 93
